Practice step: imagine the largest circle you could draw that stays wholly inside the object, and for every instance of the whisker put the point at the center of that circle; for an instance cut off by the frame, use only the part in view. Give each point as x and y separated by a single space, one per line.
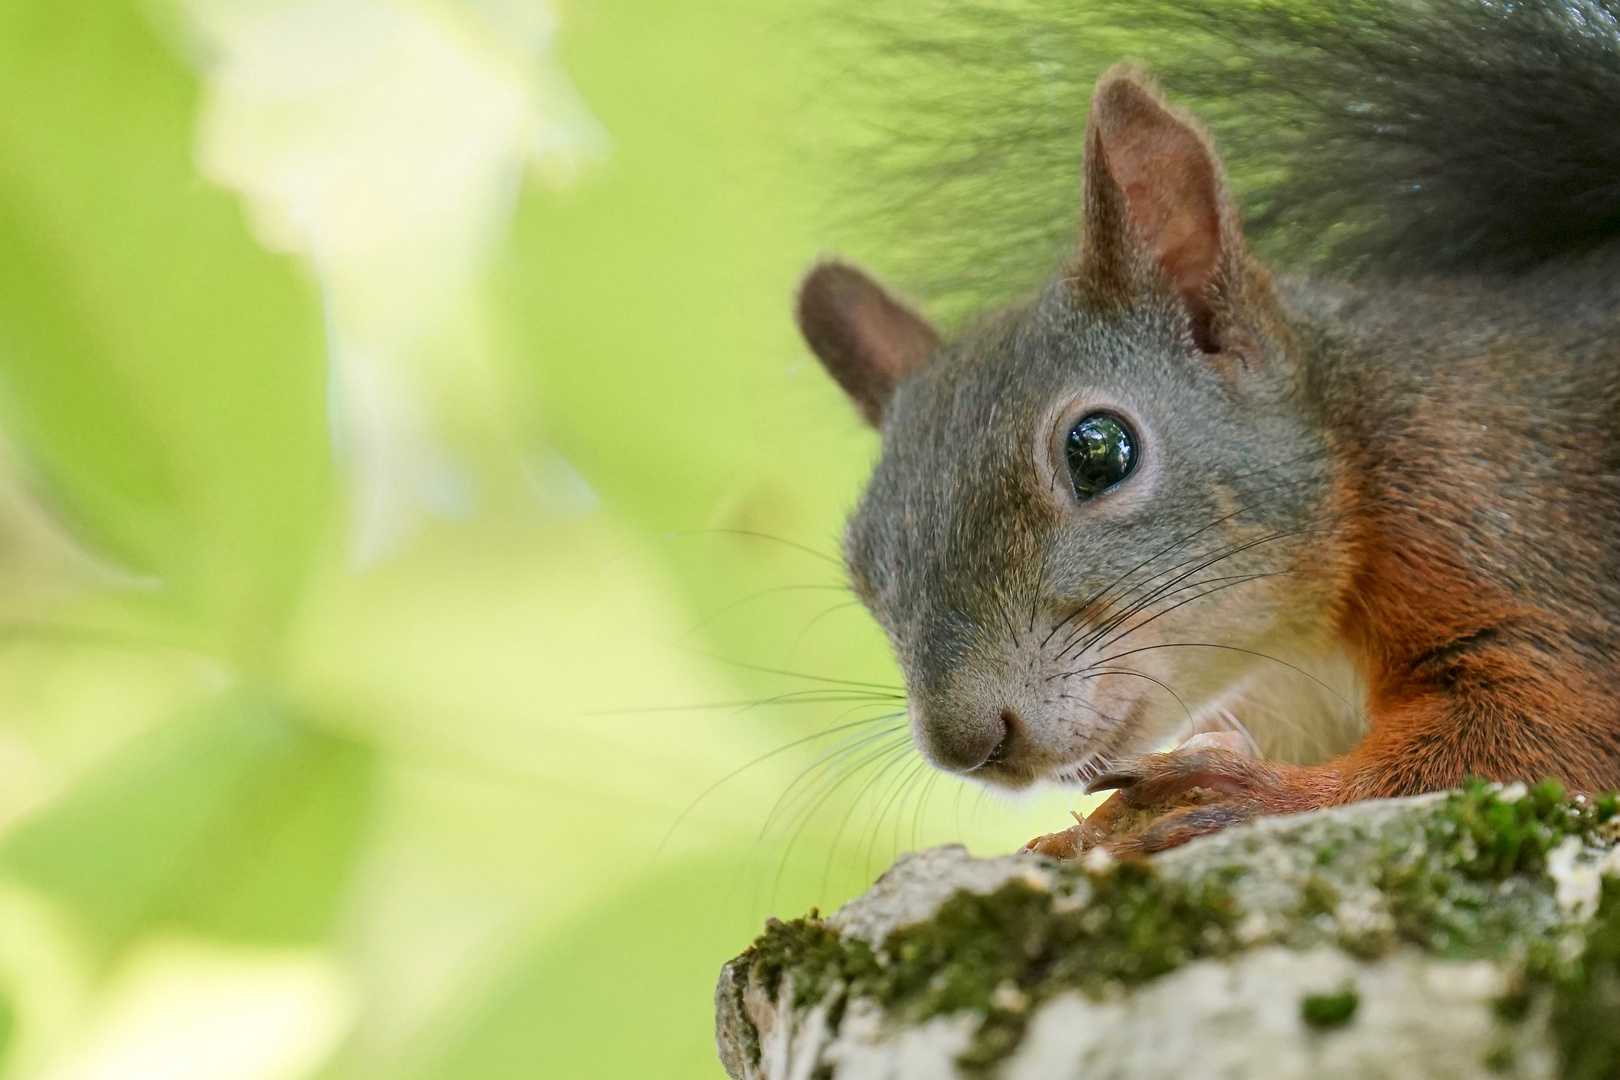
775 590
879 804
794 697
916 781
887 801
1094 671
897 758
733 774
921 809
1083 703
824 763
752 534
1310 525
1205 561
1232 648
1004 612
1229 582
843 823
1196 565
799 640
1141 606
1229 721
886 755
1174 545
763 669
803 818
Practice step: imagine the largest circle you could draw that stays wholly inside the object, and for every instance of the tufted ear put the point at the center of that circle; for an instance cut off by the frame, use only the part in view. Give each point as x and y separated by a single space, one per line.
867 340
1157 208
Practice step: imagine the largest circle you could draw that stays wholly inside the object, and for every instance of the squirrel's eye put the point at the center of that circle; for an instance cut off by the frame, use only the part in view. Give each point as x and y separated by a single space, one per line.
1101 451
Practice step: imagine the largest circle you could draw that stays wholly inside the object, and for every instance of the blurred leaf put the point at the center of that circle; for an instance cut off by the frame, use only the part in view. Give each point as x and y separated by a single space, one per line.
163 377
8 1027
653 311
240 822
566 1009
679 395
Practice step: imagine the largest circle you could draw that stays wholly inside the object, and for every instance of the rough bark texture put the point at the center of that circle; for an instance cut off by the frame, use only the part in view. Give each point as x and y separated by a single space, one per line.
1470 934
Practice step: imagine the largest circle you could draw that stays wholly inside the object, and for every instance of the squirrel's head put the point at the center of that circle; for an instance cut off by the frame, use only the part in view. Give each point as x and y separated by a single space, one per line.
1091 515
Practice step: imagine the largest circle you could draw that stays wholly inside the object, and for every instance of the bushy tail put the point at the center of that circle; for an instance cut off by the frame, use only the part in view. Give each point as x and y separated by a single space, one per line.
1377 136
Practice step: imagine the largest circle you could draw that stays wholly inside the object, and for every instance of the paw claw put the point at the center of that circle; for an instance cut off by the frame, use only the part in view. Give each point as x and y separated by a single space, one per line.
1112 781
1154 779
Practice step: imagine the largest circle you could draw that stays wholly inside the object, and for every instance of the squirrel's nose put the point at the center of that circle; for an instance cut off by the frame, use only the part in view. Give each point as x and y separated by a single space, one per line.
1010 725
962 744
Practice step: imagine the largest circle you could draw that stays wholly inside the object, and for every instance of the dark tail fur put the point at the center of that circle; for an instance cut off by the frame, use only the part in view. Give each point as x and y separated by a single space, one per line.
1387 137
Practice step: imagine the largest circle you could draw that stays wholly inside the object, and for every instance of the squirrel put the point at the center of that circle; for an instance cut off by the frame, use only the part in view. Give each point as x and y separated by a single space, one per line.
1099 517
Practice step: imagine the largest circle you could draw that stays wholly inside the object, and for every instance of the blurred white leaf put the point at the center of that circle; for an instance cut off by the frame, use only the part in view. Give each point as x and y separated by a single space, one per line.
386 140
188 1011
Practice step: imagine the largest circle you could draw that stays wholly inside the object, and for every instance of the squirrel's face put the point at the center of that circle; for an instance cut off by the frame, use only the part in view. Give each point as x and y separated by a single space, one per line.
1090 514
1082 532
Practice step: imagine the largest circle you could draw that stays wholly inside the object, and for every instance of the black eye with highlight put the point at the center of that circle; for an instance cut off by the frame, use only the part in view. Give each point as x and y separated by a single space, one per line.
1100 452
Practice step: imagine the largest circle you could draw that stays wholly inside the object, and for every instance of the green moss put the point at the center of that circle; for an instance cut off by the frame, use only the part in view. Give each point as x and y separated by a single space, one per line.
1473 884
823 967
750 1035
1500 1058
1317 897
818 958
1492 838
1135 927
1328 854
1513 1006
1584 986
1463 879
998 1036
1324 1012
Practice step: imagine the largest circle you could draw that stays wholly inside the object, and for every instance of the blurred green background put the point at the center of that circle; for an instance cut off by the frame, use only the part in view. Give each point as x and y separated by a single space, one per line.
425 652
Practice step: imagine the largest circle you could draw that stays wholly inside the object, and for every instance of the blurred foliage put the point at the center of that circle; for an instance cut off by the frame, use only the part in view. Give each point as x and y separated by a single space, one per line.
163 376
499 800
960 126
238 823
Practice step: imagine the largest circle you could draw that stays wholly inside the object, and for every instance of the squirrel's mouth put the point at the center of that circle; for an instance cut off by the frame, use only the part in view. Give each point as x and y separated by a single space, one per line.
1077 771
1082 772
1049 751
1095 762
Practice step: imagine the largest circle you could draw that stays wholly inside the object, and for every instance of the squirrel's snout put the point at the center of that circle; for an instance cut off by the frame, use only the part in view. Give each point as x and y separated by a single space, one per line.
962 743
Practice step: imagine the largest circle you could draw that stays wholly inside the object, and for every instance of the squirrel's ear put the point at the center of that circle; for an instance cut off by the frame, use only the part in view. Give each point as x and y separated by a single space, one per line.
866 339
1156 204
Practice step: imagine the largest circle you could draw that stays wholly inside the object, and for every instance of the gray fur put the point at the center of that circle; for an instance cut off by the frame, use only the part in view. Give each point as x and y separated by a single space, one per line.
1509 386
1418 471
970 564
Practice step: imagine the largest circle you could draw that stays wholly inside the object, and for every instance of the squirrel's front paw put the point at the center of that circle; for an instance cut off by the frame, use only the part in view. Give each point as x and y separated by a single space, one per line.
1176 827
1068 844
1213 761
1114 819
1224 785
1163 800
